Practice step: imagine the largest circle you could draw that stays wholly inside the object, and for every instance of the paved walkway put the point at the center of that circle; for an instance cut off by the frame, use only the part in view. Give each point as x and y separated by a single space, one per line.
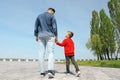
30 71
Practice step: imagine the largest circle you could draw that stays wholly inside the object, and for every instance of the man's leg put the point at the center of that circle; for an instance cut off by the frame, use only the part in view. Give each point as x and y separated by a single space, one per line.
42 48
67 64
50 47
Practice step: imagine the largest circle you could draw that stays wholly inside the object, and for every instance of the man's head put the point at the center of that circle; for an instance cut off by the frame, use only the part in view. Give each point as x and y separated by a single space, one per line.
69 34
51 10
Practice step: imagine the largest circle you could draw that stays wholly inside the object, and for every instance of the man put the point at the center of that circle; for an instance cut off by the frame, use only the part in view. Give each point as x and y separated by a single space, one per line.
46 35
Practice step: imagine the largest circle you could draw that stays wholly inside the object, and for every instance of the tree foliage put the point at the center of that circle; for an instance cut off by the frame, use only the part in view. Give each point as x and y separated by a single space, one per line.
94 43
102 39
107 34
114 10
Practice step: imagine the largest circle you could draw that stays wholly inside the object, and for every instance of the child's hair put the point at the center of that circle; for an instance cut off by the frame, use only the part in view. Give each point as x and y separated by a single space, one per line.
51 9
70 34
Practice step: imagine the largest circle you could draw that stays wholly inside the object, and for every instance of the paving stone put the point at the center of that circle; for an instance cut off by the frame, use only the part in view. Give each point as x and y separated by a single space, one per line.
30 71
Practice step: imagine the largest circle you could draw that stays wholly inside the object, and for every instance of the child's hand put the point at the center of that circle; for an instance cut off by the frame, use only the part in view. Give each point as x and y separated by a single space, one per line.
56 41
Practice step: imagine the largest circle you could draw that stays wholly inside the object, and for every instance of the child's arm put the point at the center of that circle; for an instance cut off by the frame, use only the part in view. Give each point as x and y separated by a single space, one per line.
61 44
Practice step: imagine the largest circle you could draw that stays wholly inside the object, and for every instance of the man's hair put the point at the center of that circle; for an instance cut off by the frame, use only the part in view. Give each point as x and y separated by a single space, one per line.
51 9
70 34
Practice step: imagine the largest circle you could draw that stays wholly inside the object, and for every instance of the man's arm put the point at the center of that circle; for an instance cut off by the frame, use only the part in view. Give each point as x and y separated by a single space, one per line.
54 25
37 23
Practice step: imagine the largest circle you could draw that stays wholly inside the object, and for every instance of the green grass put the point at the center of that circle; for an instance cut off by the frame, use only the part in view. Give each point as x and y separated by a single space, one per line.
101 63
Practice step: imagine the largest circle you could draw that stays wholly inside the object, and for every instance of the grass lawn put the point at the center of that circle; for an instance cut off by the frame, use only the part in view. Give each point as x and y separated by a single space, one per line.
101 63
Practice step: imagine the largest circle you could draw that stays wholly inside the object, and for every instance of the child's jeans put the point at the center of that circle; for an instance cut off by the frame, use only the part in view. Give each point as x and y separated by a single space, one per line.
68 63
46 42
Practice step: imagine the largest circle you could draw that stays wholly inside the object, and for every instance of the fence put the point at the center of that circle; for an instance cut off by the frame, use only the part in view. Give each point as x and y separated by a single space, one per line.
35 60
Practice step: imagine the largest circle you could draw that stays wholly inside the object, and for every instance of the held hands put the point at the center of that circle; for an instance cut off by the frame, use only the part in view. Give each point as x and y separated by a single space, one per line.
37 38
56 39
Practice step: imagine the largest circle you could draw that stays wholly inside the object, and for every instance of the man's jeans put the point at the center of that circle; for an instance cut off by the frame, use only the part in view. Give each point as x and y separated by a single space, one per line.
46 42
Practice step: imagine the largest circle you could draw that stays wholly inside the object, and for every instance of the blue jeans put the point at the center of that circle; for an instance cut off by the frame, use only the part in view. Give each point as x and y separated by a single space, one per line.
46 42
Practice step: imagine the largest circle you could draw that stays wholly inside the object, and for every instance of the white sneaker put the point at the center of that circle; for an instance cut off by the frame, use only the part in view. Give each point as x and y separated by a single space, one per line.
78 74
67 74
50 75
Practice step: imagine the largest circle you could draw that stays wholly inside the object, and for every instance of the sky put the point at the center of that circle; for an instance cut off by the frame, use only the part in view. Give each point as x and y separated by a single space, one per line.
17 19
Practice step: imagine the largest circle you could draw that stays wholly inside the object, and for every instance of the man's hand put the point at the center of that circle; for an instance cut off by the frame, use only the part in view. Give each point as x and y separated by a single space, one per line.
37 38
56 38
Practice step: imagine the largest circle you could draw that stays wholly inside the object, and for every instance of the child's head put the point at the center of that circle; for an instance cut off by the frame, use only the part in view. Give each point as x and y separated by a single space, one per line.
69 34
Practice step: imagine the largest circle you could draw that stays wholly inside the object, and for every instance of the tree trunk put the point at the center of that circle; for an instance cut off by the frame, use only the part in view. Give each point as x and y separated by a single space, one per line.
97 57
108 54
105 56
116 57
111 54
101 57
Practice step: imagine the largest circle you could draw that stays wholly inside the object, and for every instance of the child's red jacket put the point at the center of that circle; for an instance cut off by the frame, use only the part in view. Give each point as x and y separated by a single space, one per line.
68 46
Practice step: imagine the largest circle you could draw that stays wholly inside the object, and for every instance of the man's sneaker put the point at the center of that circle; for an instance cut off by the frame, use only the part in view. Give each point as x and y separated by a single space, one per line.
67 74
51 74
42 75
78 74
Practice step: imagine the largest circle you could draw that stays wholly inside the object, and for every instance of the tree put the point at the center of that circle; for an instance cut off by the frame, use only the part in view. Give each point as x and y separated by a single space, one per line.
94 43
95 23
102 37
105 32
114 10
107 35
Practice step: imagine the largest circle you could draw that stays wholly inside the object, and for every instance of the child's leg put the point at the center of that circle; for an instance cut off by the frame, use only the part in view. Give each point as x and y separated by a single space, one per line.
67 64
75 64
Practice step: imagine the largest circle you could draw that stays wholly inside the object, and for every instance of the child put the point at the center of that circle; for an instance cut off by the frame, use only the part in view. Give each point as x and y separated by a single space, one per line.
69 52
